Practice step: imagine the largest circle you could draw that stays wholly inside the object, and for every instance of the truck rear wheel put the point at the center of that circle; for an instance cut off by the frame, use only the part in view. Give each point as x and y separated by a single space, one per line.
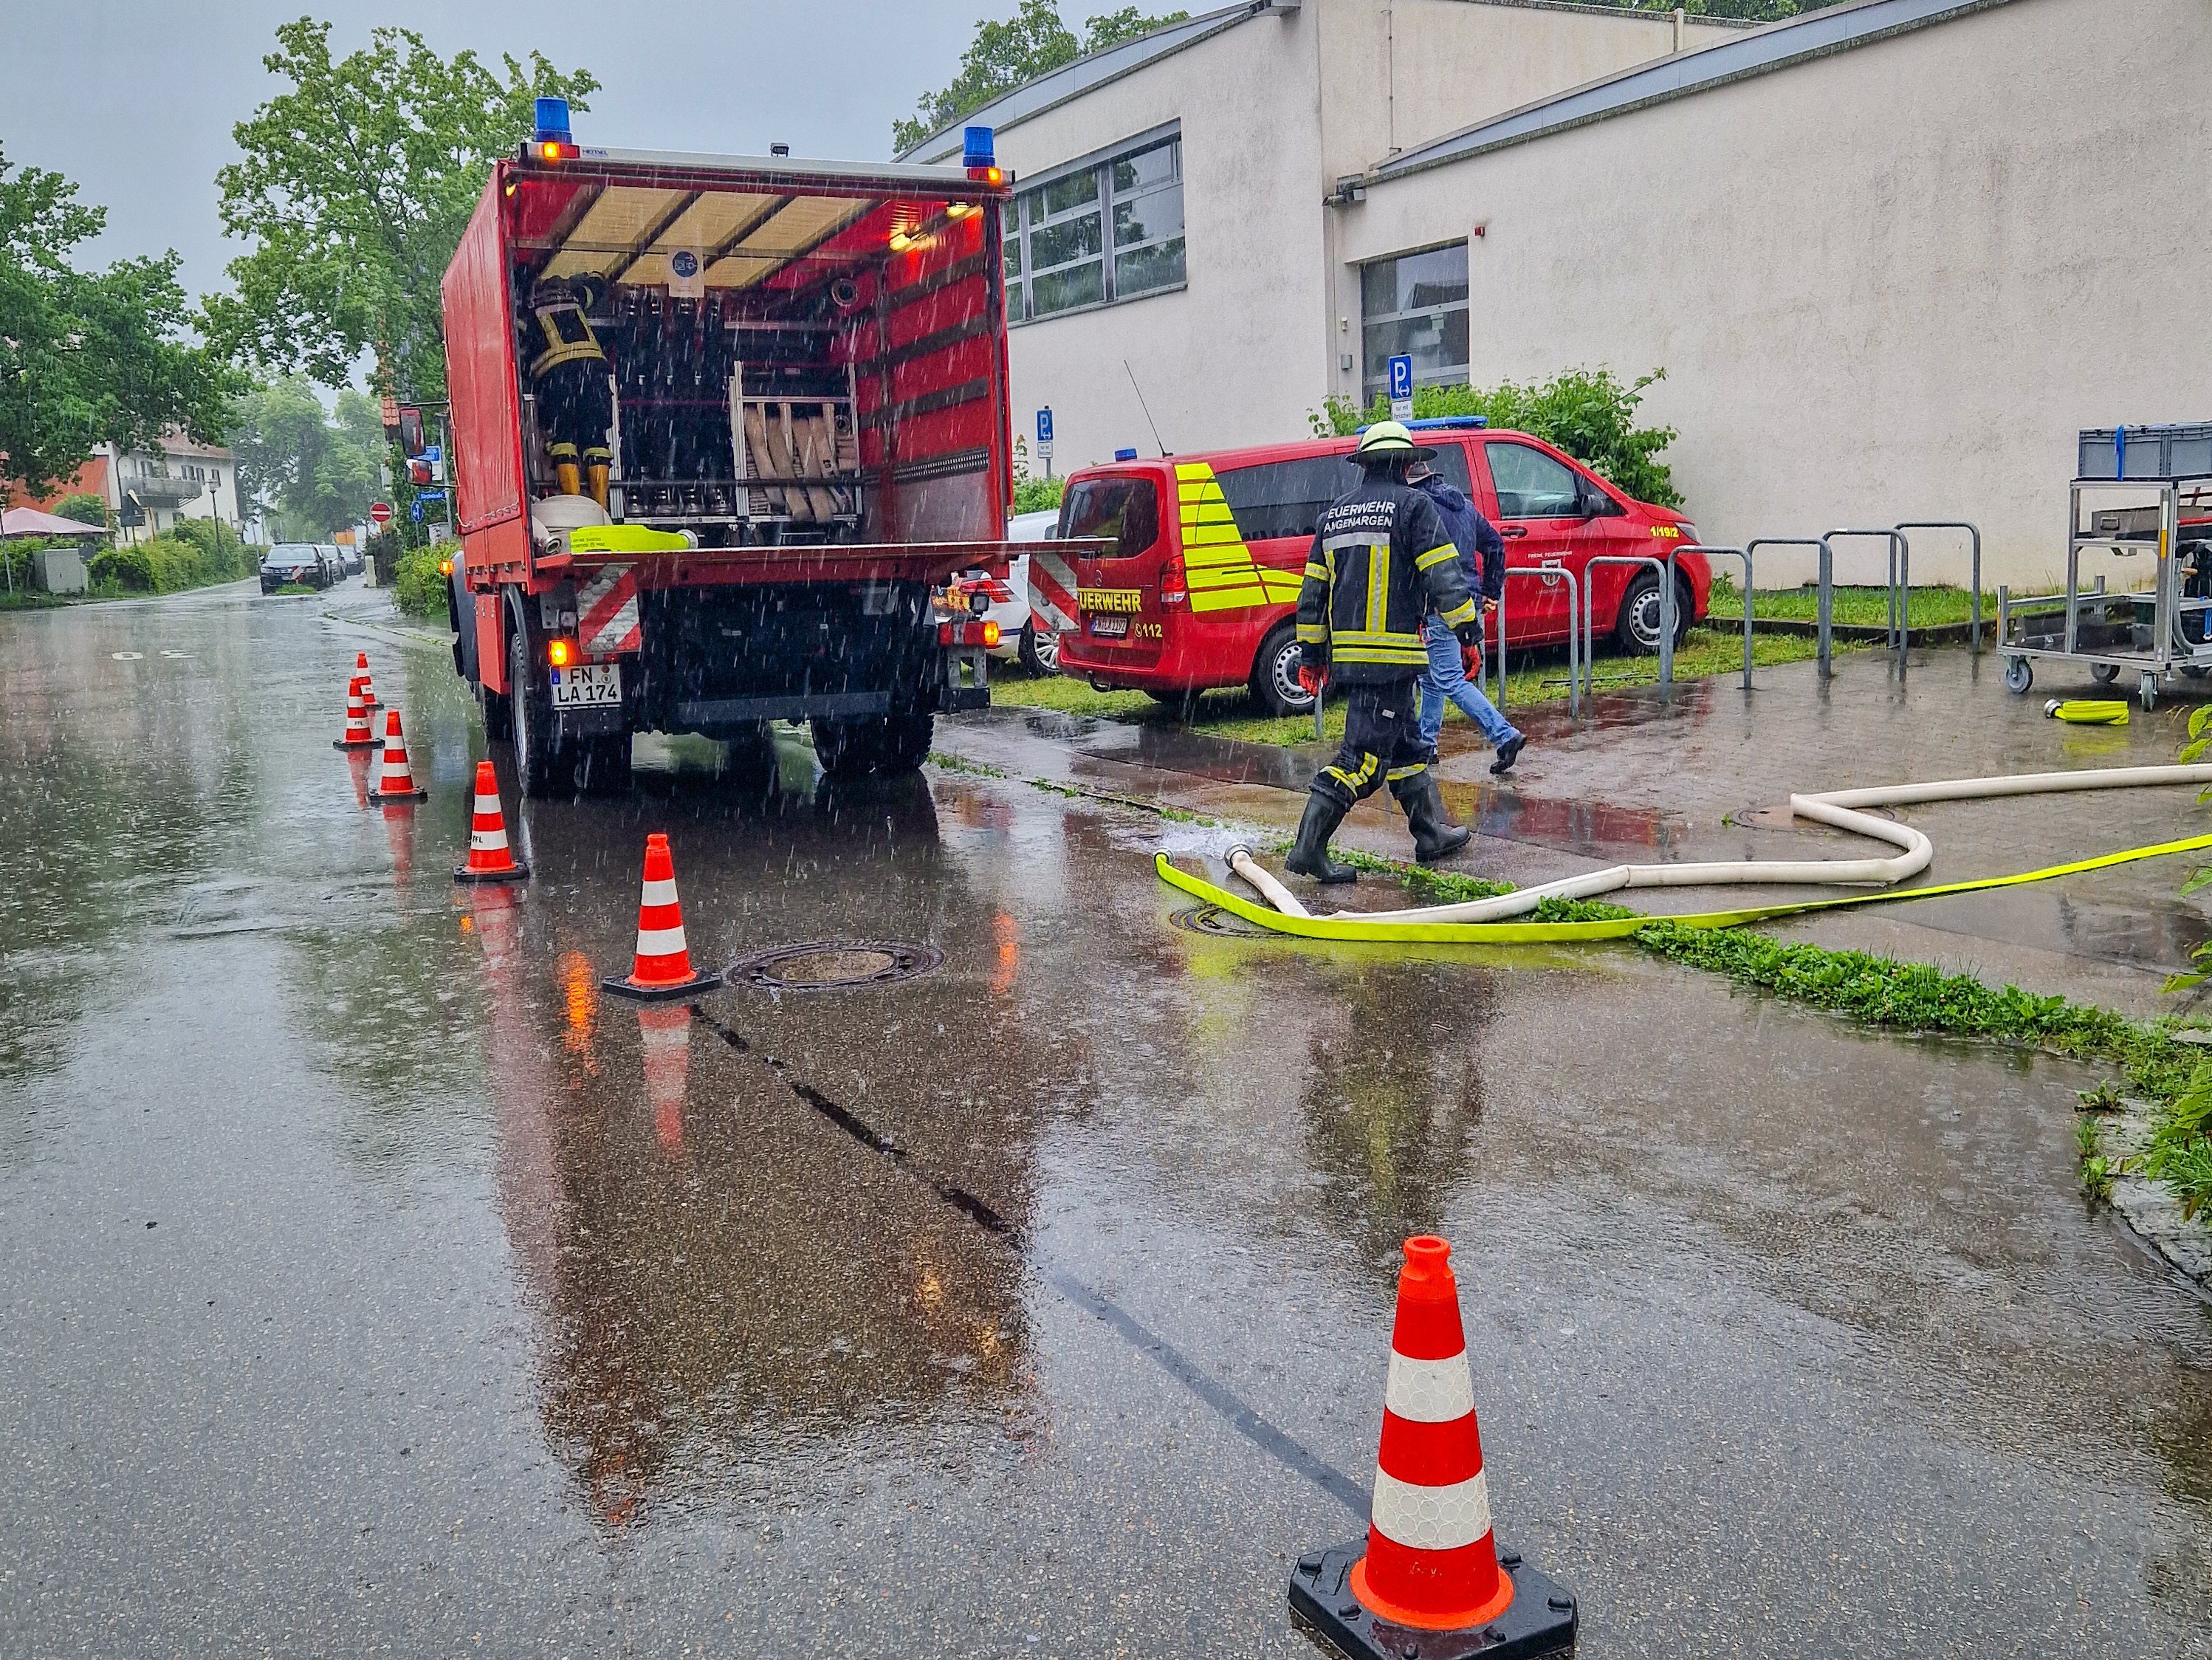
538 767
884 744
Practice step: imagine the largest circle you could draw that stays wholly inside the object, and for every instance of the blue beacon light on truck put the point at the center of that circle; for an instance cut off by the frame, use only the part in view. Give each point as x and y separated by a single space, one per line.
552 141
978 155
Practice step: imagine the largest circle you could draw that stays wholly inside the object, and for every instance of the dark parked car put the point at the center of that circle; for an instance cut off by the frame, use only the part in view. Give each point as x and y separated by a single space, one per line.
303 562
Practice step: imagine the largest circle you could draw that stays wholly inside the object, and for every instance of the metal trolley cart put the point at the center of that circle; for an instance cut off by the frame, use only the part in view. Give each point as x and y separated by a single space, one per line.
2152 635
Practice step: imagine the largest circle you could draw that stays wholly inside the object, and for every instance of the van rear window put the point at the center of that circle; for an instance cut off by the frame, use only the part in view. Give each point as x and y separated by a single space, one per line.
1123 511
1287 498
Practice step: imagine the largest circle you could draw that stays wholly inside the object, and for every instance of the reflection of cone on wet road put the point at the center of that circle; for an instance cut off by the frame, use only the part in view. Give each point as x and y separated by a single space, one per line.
367 686
490 860
394 781
494 919
664 1036
362 764
399 837
357 736
1430 1562
662 965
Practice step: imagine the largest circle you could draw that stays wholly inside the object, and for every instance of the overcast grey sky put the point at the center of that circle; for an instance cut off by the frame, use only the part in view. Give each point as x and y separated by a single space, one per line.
135 99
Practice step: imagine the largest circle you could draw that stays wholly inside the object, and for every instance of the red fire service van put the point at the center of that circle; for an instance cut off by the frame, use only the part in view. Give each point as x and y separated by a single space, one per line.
720 425
1198 586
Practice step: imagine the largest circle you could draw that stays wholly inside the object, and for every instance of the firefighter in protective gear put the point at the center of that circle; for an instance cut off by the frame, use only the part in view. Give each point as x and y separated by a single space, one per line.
576 399
1381 560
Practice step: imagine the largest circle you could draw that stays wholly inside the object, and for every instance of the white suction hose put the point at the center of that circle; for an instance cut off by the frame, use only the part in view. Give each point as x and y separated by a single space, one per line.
1835 808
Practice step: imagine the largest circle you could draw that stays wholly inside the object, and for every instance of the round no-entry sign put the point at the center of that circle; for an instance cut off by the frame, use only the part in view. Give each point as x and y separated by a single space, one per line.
380 514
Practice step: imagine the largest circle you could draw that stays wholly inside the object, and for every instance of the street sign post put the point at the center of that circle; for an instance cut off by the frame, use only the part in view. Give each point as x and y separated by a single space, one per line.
1402 387
380 514
1044 439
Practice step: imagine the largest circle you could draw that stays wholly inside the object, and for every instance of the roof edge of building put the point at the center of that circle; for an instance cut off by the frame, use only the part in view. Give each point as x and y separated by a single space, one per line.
1145 50
1587 8
1766 51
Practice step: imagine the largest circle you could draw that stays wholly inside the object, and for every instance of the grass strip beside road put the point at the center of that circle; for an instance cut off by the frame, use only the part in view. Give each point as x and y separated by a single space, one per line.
1855 607
1543 679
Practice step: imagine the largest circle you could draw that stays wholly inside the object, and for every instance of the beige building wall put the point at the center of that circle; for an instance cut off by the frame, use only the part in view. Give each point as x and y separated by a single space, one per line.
1273 112
1889 283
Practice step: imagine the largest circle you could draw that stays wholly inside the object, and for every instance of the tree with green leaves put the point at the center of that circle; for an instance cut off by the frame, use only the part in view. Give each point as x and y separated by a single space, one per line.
354 185
88 357
310 472
1003 56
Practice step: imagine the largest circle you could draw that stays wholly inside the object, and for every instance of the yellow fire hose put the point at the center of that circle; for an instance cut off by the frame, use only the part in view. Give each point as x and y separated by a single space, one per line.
1441 924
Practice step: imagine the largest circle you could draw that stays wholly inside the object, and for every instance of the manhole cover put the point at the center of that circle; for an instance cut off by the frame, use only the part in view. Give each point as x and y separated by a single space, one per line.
1216 923
833 965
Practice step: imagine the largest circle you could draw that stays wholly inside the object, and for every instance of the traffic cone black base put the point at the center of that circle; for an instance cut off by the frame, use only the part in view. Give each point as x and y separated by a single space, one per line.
518 872
1539 1620
691 987
393 797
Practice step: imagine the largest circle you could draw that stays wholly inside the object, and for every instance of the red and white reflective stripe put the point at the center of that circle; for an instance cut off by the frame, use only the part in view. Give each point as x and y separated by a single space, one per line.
1429 1391
1052 591
606 611
395 763
660 919
1431 1518
487 830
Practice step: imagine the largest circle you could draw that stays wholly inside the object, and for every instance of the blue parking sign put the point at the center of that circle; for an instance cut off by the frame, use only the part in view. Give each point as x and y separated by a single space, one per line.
1044 426
1402 387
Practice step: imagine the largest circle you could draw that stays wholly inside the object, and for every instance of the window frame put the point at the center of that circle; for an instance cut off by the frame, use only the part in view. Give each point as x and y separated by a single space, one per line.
1460 375
1019 229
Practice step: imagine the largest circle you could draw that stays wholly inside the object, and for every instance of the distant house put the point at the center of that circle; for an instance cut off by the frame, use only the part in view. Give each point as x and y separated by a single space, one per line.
147 491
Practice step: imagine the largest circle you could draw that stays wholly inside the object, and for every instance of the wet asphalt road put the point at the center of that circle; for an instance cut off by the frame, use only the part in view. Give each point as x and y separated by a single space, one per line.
367 1293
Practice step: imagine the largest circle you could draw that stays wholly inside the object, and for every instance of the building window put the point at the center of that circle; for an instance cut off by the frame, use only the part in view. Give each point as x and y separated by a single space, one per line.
1415 305
1057 257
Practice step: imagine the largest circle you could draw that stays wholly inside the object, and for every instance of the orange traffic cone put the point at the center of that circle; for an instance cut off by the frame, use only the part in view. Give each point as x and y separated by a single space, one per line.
664 1035
490 860
367 686
1430 1562
394 781
357 735
662 965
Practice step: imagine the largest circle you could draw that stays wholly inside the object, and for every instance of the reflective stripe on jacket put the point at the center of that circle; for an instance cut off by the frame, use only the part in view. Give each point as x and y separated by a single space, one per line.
566 338
1379 560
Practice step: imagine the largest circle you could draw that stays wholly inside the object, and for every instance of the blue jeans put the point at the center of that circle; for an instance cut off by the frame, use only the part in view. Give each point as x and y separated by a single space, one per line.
1446 680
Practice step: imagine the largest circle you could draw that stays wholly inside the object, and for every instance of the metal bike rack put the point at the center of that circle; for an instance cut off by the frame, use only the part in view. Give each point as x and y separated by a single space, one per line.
1549 574
1900 583
1743 554
1828 605
1665 613
1974 531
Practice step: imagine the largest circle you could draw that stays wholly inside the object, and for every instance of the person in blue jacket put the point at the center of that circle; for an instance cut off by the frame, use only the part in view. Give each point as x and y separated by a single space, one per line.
1482 560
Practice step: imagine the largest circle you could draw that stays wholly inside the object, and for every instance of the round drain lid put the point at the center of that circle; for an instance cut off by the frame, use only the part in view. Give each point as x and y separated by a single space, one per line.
833 965
1217 923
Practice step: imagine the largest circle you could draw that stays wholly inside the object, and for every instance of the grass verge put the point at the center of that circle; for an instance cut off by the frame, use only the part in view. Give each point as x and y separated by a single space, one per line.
1232 714
1855 607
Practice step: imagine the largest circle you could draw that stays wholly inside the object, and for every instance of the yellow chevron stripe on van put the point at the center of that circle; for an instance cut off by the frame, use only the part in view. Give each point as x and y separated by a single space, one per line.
1219 569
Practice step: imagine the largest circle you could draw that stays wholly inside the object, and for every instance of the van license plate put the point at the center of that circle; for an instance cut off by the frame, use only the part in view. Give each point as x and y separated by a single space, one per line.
586 685
1111 627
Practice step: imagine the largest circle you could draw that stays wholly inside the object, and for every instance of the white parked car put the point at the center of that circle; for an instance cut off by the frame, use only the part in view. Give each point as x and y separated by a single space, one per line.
1007 603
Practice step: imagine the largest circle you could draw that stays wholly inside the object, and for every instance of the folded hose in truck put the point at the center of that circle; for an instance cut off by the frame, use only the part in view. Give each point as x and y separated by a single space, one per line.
1482 922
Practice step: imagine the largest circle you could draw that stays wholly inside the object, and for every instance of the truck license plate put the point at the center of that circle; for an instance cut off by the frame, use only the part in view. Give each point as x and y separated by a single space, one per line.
1112 628
586 685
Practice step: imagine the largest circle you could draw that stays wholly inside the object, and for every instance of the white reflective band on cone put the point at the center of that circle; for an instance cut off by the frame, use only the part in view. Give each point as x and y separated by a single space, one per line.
1431 1518
488 805
660 942
662 892
1429 1391
491 841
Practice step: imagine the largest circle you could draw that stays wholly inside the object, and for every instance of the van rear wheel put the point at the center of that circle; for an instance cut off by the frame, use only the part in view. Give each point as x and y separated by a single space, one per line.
886 745
1275 685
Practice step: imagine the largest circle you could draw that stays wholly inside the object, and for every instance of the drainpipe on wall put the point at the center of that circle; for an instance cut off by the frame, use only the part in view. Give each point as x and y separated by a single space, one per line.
1681 27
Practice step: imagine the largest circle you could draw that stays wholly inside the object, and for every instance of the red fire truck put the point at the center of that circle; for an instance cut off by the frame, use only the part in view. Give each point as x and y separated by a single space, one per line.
807 431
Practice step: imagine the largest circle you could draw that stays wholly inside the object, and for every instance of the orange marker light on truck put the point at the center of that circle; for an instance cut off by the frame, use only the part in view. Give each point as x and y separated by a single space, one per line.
559 652
990 632
445 567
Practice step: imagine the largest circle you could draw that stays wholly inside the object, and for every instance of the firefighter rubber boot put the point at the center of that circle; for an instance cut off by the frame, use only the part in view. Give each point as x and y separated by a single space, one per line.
1434 836
597 473
566 473
1309 854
